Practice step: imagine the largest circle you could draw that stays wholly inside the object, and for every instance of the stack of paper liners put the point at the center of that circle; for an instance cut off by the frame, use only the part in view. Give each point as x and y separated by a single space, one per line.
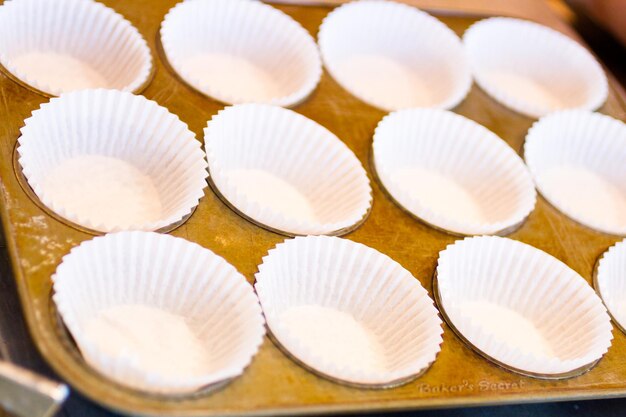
148 276
64 45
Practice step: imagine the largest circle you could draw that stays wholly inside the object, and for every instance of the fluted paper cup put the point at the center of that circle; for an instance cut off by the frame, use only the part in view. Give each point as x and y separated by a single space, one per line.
394 56
610 280
65 45
241 51
533 69
285 172
109 161
577 160
348 312
521 307
158 313
451 172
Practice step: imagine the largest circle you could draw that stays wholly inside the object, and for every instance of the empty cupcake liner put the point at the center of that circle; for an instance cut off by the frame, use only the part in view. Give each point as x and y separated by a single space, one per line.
57 46
533 69
109 161
394 56
610 282
347 311
521 307
241 51
158 313
577 160
285 172
451 172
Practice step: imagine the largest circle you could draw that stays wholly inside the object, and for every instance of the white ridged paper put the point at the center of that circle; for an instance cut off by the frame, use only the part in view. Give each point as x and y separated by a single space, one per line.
452 172
171 275
394 56
285 171
611 281
533 69
521 306
577 159
241 51
109 161
348 311
57 46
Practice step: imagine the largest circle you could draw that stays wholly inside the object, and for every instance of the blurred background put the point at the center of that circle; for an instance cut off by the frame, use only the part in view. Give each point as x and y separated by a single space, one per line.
602 24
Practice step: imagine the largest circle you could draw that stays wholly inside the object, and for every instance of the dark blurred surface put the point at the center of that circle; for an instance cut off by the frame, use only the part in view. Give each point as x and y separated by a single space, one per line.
606 45
608 14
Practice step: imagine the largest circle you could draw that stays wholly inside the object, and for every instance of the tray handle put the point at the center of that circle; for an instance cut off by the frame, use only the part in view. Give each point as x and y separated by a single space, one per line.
26 394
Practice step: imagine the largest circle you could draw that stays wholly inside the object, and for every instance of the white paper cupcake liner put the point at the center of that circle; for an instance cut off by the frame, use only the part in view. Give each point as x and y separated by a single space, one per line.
521 307
451 172
109 161
394 56
347 311
577 161
241 51
285 172
57 46
610 281
158 313
533 69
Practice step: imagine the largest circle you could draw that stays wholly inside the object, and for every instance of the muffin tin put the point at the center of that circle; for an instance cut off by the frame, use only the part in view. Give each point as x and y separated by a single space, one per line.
273 383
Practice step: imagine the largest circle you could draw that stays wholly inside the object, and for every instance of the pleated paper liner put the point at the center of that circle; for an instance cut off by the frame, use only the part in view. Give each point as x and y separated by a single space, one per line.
285 172
158 313
53 47
521 308
240 51
68 343
109 160
23 182
451 172
609 279
577 161
394 56
532 69
348 312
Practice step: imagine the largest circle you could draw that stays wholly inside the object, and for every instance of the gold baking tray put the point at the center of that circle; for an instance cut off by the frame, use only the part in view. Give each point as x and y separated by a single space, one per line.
273 384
